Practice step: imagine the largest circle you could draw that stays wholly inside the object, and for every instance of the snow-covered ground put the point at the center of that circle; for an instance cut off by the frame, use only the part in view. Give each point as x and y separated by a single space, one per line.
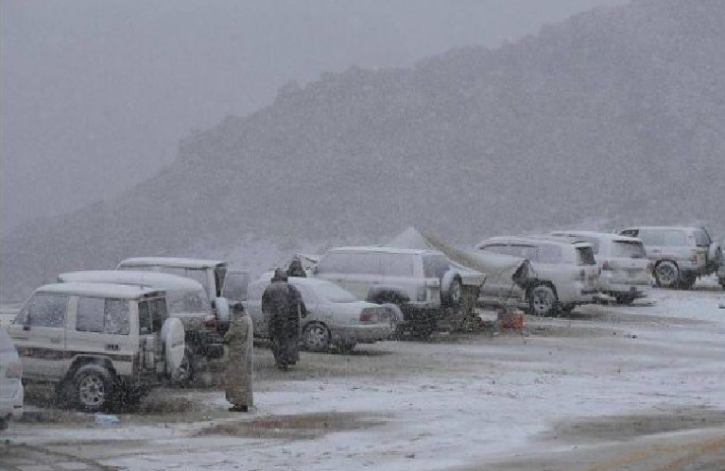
457 401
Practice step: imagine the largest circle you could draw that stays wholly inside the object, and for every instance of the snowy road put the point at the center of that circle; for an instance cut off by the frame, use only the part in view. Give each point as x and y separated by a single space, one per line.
607 388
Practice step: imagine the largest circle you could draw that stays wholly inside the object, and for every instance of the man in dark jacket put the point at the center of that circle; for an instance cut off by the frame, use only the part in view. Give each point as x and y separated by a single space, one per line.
282 305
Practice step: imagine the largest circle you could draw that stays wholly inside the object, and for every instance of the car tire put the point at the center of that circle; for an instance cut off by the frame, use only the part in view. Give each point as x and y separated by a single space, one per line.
423 329
451 289
396 318
316 337
184 374
667 274
543 301
92 388
625 299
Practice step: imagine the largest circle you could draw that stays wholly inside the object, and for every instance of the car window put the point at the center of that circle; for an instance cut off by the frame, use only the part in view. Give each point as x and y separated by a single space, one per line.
435 266
333 263
235 285
651 237
585 256
702 238
396 264
187 301
630 233
151 315
628 249
256 290
675 239
530 252
549 253
44 310
107 315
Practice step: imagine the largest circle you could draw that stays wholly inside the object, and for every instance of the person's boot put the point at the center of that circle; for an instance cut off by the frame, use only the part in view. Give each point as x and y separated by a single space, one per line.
239 409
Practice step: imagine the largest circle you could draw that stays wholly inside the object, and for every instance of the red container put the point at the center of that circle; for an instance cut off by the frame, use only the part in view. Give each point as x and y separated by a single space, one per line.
511 319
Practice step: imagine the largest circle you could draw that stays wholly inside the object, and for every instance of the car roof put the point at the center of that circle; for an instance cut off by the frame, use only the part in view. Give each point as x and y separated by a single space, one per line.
536 238
106 290
296 280
178 262
598 235
378 249
681 228
129 277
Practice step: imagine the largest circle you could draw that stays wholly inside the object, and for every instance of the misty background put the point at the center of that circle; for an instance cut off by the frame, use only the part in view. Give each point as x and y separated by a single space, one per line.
250 131
96 95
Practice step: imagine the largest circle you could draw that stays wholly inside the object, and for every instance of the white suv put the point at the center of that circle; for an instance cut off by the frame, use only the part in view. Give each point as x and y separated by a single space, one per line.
421 283
679 254
624 268
565 272
186 300
101 344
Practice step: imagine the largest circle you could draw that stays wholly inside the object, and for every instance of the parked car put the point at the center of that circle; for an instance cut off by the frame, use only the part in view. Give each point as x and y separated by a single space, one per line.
421 283
101 344
680 254
334 317
214 275
186 300
623 264
565 271
11 385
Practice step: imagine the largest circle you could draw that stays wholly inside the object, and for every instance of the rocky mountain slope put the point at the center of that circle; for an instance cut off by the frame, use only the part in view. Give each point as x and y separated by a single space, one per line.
613 115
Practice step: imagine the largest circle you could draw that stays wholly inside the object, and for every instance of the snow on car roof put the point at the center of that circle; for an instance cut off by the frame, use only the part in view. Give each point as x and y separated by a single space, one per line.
171 262
660 228
107 290
598 235
128 277
533 239
379 249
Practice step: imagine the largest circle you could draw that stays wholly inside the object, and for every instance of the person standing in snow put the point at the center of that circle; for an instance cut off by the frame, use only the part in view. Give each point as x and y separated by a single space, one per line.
295 268
283 307
239 360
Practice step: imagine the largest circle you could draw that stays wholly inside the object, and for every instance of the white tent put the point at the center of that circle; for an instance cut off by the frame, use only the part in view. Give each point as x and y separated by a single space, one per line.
470 263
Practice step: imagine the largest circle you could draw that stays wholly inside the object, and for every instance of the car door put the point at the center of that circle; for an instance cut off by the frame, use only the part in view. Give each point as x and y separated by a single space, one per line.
39 334
101 327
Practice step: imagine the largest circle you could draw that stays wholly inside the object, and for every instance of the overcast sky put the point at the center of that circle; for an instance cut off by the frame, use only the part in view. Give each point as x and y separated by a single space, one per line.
95 95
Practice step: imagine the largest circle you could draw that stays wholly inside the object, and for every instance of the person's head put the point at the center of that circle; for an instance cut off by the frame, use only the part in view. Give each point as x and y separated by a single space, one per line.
279 275
237 310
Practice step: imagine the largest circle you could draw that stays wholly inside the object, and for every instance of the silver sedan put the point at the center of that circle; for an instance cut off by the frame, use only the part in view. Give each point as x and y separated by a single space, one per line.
335 319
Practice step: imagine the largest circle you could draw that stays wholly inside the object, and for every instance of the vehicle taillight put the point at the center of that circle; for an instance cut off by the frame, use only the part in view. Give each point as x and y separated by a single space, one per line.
650 267
366 316
582 275
693 257
14 370
210 321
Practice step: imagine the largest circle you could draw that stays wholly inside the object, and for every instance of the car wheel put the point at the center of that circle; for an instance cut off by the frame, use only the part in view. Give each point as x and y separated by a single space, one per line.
397 319
722 283
184 374
687 280
93 387
316 337
625 299
451 289
543 300
667 274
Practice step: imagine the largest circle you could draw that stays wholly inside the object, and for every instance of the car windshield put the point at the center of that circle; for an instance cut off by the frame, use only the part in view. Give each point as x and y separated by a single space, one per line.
333 293
187 301
435 266
628 249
